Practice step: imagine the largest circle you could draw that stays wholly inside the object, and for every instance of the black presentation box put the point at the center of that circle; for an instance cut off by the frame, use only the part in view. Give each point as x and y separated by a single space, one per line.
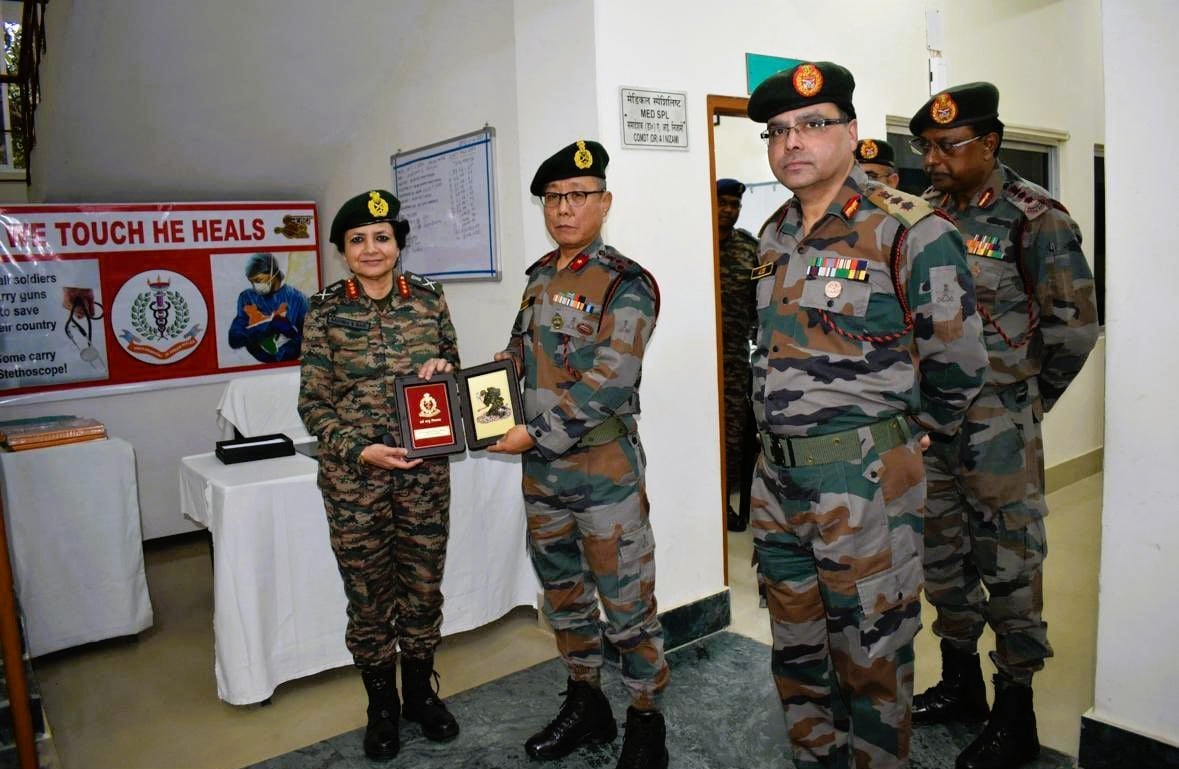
256 447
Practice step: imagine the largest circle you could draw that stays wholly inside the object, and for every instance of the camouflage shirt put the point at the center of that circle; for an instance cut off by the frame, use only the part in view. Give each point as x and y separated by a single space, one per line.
579 340
352 350
1044 281
835 350
738 257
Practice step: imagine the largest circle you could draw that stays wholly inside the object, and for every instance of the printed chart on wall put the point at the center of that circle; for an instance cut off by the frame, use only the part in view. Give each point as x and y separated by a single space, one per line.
107 296
447 194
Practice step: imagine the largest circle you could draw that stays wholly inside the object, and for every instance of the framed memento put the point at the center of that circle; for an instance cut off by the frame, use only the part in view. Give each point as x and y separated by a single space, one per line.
429 414
491 401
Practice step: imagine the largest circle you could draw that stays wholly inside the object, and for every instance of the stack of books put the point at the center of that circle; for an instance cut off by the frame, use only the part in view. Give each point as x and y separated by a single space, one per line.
39 432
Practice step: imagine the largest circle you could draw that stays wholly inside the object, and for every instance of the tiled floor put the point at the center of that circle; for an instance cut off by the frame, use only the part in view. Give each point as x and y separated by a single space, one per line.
152 703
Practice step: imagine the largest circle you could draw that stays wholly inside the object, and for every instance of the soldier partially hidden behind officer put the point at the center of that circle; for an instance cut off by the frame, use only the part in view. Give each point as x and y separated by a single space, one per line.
578 341
388 516
984 530
738 257
867 340
878 159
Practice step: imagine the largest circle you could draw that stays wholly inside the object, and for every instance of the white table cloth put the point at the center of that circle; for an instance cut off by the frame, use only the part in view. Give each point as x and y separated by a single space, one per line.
279 606
260 404
72 516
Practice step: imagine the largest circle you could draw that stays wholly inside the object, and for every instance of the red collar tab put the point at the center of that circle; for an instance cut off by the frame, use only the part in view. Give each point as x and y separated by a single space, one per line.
578 261
351 290
851 206
985 199
403 286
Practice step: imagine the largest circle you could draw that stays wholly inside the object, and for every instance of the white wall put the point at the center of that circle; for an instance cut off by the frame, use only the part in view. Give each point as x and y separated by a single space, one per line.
1137 625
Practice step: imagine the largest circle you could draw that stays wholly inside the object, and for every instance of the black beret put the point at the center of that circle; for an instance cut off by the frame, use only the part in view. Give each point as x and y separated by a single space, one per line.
581 158
875 151
961 105
730 187
366 208
801 86
262 264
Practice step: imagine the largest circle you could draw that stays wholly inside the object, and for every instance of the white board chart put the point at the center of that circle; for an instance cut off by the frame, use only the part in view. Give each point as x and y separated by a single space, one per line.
447 194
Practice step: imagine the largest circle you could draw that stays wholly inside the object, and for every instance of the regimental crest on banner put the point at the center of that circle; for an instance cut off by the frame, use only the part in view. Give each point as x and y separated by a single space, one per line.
159 317
294 227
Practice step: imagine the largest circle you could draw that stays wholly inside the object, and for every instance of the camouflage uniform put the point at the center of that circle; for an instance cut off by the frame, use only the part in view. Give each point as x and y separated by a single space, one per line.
985 510
738 257
579 340
837 519
388 527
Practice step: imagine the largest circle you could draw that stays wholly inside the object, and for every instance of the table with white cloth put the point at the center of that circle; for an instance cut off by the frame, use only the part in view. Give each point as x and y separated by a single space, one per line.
279 610
72 516
261 404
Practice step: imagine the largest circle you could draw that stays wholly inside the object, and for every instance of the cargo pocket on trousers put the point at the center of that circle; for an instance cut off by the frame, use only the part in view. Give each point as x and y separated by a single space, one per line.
636 562
891 605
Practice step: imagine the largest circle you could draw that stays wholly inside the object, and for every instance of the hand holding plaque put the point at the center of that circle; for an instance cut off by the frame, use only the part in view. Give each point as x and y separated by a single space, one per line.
428 411
490 396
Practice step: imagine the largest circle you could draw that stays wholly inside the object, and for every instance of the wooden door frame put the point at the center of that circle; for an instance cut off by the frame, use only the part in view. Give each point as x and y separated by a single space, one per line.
720 106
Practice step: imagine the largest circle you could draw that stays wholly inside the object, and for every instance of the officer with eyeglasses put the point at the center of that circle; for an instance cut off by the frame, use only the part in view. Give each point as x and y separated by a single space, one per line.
578 342
984 529
867 342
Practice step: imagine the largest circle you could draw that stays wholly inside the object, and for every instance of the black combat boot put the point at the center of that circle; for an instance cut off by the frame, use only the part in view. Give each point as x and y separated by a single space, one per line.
584 717
1009 739
645 743
421 700
959 696
381 738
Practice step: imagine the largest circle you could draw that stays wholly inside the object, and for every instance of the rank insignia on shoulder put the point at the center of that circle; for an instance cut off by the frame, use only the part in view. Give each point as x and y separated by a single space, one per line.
402 286
761 270
351 289
527 303
421 281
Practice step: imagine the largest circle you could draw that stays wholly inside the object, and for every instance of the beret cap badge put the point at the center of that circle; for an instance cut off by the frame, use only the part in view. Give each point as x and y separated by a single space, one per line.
808 80
583 158
868 149
377 206
944 109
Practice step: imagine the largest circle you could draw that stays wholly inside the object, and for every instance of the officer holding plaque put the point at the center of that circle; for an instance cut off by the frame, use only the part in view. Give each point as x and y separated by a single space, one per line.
388 515
578 341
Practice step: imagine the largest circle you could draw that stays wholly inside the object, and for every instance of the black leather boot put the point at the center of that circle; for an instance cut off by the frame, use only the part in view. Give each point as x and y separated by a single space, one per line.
959 696
421 700
1009 739
381 737
645 743
584 717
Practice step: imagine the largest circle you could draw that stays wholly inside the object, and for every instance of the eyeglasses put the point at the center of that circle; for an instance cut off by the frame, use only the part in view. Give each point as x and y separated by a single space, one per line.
576 198
806 129
922 146
877 176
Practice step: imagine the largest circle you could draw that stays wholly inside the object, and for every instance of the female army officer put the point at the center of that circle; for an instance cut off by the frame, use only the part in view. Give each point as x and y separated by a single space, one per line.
388 516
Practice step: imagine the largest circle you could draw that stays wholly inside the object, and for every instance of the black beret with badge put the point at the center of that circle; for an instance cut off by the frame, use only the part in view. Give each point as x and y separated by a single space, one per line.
805 84
369 207
875 151
583 157
730 187
958 106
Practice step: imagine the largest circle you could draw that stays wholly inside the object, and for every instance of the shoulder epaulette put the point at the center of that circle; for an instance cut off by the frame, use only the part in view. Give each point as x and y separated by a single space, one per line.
625 268
1033 200
328 292
424 283
775 218
541 262
907 209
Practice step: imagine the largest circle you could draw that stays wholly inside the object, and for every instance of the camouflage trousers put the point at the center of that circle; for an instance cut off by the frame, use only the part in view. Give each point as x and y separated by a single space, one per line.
589 537
738 413
984 531
839 547
388 530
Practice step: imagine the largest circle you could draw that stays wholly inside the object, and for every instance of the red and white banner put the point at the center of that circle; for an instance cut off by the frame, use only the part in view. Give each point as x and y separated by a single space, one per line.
107 295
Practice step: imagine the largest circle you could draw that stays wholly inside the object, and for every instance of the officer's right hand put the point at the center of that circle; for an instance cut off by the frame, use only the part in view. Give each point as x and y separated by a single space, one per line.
387 457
